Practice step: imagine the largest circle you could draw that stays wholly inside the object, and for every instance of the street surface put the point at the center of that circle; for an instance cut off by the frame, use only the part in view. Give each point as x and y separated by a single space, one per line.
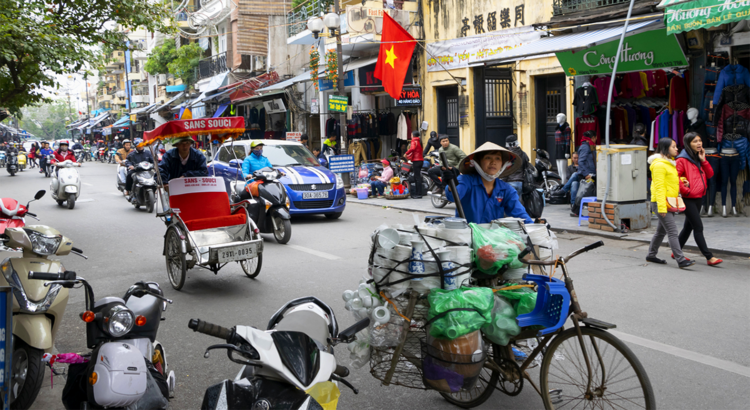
689 328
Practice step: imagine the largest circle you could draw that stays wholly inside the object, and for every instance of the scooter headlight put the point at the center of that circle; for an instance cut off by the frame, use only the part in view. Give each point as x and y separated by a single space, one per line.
121 320
339 181
43 244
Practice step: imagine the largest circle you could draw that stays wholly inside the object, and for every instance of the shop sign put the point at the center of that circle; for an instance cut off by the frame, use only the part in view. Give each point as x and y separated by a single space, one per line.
369 84
365 20
314 106
337 103
294 136
410 97
325 85
644 51
699 14
340 164
462 52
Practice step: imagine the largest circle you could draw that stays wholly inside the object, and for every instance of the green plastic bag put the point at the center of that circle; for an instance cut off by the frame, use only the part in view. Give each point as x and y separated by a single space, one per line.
503 324
495 248
523 299
456 323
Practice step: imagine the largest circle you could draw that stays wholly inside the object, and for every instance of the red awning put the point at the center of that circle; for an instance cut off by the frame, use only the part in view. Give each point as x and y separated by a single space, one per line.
246 89
220 128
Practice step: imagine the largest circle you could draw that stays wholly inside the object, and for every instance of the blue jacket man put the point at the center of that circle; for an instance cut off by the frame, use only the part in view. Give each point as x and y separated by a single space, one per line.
586 161
255 160
183 161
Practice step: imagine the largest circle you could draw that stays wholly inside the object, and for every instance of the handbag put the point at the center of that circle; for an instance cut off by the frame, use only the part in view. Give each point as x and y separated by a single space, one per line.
675 204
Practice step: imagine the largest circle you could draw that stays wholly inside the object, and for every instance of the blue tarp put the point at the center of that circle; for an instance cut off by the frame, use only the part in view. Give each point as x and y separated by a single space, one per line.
176 88
220 110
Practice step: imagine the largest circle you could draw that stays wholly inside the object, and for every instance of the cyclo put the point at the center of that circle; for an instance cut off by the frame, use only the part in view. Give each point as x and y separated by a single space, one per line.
582 365
203 229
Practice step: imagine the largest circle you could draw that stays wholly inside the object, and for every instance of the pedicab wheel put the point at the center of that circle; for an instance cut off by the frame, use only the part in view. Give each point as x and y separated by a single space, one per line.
618 378
176 263
252 266
283 231
482 390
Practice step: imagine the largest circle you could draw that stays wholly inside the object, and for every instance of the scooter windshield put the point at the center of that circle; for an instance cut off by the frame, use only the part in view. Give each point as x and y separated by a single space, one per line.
271 192
299 353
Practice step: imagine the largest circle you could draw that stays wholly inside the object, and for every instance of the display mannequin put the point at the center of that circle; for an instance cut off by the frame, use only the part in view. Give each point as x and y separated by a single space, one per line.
699 126
562 145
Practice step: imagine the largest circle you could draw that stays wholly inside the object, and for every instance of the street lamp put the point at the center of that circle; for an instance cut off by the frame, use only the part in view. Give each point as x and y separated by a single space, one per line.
332 21
315 25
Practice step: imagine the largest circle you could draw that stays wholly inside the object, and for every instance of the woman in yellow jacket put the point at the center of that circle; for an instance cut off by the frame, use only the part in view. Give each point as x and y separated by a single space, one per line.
665 183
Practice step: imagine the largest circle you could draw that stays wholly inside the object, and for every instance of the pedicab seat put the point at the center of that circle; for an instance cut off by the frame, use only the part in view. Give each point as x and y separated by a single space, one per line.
203 203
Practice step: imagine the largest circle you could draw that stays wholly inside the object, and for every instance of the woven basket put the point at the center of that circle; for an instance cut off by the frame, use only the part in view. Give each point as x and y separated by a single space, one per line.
396 196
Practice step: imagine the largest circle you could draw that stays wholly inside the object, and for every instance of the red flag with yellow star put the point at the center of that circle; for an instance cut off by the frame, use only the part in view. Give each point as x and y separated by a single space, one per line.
396 48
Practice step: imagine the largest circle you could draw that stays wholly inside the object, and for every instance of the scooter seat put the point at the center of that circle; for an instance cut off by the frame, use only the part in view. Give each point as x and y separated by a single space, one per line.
216 222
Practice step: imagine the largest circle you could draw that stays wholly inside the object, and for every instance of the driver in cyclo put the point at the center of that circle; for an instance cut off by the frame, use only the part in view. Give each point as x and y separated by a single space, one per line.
182 161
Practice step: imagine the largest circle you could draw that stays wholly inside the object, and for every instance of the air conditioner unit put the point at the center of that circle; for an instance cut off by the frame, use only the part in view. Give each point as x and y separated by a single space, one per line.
274 106
162 79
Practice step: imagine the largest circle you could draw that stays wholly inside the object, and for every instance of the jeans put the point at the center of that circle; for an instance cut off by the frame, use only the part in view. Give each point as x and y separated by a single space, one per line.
378 187
129 180
730 167
694 224
572 186
122 172
435 174
518 186
667 227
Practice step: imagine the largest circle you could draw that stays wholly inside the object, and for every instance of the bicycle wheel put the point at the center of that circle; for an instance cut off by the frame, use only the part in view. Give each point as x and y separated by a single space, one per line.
483 389
618 380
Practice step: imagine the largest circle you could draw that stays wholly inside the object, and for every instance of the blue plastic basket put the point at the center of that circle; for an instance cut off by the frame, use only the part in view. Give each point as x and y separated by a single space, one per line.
552 304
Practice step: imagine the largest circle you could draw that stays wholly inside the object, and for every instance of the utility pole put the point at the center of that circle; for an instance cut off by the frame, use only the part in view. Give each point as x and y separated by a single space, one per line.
86 79
127 91
340 86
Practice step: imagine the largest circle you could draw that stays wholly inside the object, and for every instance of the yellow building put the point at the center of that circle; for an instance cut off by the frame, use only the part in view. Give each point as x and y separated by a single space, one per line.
465 43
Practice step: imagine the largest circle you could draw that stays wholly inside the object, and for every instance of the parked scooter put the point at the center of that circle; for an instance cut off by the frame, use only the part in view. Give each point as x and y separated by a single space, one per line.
543 176
282 363
37 310
66 184
269 206
144 186
129 366
405 171
12 212
11 163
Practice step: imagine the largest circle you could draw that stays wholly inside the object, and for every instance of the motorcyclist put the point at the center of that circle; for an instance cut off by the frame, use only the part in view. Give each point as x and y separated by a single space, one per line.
136 156
77 145
453 154
120 157
64 154
255 161
182 161
44 152
433 142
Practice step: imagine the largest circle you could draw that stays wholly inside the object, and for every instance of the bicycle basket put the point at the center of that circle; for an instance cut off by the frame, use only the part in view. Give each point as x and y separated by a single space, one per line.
446 368
552 304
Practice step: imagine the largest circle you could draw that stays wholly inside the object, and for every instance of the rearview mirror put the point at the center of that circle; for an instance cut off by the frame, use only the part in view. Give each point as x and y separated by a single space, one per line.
235 163
40 194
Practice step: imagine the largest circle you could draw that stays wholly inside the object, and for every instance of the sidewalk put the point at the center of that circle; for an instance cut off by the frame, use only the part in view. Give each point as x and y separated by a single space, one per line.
724 235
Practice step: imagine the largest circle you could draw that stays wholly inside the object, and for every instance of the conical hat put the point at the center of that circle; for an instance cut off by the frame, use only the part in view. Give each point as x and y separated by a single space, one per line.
465 167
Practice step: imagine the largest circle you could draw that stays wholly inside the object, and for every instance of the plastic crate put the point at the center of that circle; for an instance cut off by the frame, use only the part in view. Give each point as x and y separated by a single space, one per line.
552 305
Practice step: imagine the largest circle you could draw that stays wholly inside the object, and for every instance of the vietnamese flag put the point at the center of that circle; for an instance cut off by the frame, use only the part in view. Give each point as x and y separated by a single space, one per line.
396 48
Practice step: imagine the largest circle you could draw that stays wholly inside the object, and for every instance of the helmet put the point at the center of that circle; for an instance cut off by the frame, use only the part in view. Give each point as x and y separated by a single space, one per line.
125 141
137 141
64 142
256 144
117 138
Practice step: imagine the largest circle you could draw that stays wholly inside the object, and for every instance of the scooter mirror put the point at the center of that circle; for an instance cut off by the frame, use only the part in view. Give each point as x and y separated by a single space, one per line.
349 332
40 194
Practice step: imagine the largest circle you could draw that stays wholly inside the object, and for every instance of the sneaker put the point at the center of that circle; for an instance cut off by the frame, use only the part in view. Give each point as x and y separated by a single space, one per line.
686 264
654 259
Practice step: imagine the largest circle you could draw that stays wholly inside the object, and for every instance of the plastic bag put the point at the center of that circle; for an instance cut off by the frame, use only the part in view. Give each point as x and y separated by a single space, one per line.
456 323
388 334
495 248
503 324
523 299
586 188
534 203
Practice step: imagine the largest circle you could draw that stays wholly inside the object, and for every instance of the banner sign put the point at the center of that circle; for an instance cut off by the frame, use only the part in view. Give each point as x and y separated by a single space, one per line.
294 136
337 103
410 97
644 51
700 14
464 51
325 85
340 164
218 127
369 84
365 20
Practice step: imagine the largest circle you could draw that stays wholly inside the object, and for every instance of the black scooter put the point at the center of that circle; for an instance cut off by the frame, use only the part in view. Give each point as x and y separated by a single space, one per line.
543 176
11 163
269 209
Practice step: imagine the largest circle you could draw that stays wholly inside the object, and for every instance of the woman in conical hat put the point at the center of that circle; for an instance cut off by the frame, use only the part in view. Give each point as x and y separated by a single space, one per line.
483 195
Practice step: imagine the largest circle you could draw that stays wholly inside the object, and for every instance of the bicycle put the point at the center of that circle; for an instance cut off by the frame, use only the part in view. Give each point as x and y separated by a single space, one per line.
576 368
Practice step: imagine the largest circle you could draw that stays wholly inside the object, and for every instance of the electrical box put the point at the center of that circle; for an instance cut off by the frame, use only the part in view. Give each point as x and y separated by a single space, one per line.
629 173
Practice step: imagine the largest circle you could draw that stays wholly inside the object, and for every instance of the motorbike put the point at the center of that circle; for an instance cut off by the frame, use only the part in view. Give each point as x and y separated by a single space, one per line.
111 155
403 170
543 176
102 154
127 365
12 213
437 196
11 163
269 206
21 160
37 310
66 184
144 186
3 155
50 167
283 362
79 155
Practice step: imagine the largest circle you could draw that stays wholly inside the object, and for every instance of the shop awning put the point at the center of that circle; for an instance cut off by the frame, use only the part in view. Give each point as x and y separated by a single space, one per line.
75 124
121 122
566 42
265 96
96 121
220 110
698 14
143 110
220 95
168 103
667 3
286 83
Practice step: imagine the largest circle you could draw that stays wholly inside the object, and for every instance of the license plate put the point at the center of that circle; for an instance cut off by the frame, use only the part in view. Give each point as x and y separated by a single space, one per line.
237 253
315 195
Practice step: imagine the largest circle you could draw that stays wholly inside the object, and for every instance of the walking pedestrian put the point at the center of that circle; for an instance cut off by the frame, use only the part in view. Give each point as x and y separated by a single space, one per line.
414 154
665 184
694 171
33 154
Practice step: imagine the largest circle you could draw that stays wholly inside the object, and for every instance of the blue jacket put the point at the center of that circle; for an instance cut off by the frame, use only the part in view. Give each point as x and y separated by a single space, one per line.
586 161
252 163
480 208
171 165
732 74
741 145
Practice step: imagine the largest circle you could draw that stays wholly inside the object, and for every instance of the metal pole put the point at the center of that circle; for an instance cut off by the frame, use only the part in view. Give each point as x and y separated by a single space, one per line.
127 93
342 92
86 79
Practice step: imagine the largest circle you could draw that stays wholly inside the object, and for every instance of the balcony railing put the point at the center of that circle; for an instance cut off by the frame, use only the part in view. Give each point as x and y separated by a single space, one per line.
211 66
297 19
561 7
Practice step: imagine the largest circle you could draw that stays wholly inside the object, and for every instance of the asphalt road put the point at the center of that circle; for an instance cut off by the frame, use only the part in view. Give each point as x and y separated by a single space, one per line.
688 327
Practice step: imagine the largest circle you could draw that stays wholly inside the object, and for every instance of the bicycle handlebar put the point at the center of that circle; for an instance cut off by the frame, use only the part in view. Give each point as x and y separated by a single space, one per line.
566 258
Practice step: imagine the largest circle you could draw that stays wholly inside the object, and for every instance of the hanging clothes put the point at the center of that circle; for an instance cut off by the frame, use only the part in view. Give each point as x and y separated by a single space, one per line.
602 89
678 96
586 100
583 124
732 74
636 86
403 132
562 140
660 78
735 119
733 93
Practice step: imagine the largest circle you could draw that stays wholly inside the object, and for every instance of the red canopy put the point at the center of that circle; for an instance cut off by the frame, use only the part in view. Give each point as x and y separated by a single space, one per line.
220 128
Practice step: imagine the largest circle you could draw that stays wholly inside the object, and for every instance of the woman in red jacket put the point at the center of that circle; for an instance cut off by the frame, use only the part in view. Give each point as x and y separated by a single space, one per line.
414 154
694 171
